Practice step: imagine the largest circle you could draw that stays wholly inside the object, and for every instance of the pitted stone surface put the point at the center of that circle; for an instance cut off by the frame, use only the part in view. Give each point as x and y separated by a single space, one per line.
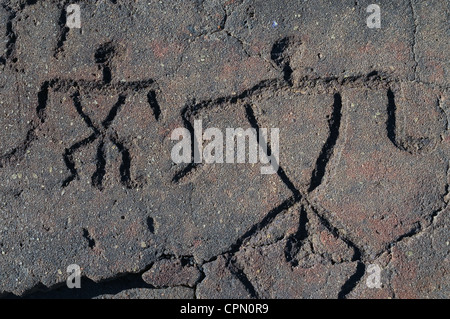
375 188
86 174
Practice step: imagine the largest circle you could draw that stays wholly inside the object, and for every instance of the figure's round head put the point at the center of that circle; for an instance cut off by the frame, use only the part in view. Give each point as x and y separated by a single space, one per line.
105 53
286 54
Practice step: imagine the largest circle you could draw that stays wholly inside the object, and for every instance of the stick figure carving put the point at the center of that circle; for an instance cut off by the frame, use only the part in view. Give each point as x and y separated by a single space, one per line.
101 132
376 120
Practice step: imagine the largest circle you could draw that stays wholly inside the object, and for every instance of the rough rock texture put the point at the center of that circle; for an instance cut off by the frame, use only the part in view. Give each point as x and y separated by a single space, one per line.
221 282
370 176
87 178
170 273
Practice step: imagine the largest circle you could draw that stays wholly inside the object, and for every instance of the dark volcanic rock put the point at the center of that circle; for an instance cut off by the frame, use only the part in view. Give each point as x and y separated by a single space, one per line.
87 178
376 189
171 273
220 282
